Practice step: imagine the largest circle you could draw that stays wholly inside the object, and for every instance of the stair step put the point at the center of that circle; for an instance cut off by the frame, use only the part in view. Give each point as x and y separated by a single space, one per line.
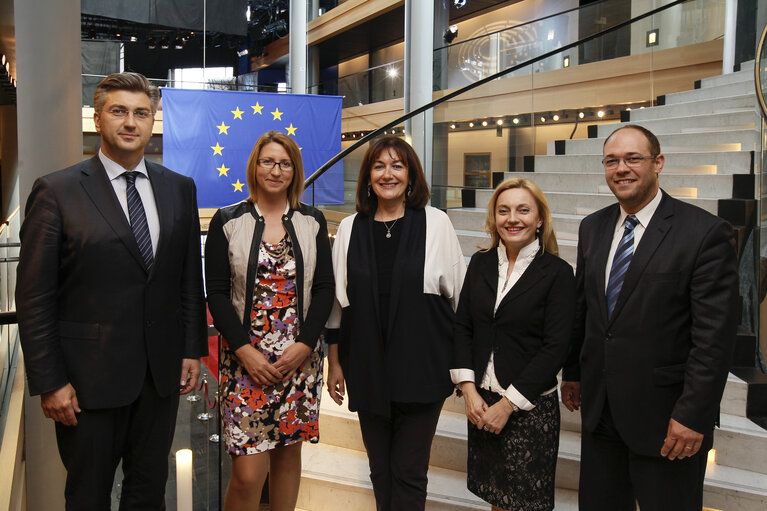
713 92
711 141
745 75
692 123
731 162
705 106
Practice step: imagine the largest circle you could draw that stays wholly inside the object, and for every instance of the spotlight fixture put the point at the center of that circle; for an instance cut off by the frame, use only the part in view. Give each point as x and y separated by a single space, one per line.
450 34
515 120
499 122
133 38
484 123
471 125
2 59
543 119
581 115
343 136
601 114
452 126
556 117
459 3
179 43
151 43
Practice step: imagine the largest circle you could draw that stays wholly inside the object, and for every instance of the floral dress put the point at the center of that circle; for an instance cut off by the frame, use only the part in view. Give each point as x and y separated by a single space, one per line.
258 418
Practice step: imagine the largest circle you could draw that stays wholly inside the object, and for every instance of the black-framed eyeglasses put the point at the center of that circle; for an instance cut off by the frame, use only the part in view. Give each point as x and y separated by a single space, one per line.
122 113
285 166
630 161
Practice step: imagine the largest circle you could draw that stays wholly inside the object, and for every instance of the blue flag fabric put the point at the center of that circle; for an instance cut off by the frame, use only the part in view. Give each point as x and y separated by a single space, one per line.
208 135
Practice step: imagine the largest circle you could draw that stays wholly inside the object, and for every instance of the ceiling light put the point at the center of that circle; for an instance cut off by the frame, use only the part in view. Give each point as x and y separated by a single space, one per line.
499 122
452 126
581 115
515 120
543 119
392 72
601 114
471 125
556 117
484 123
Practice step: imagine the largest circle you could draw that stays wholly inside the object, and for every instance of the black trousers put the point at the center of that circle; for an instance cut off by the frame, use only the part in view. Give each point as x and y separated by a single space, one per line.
613 478
398 450
139 434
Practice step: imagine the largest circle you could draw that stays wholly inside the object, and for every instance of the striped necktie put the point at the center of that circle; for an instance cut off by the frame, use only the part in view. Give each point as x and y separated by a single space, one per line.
138 220
621 263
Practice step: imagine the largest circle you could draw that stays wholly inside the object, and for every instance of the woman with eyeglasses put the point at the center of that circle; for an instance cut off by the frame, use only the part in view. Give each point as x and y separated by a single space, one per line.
399 269
270 289
512 334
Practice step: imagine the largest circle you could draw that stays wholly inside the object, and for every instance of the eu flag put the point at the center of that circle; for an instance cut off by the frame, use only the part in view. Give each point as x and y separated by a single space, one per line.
208 135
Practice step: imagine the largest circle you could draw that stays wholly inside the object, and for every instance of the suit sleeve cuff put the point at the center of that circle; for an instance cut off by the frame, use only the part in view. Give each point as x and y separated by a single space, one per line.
515 397
461 375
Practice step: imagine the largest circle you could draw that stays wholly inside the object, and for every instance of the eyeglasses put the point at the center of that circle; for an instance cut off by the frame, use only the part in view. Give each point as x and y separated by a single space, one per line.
285 166
630 161
122 113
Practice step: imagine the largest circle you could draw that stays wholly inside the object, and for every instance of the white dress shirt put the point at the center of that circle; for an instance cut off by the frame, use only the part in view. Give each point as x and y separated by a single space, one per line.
644 216
143 186
489 380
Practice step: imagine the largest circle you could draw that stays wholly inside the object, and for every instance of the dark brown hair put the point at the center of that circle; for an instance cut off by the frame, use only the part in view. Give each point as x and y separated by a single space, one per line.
296 187
367 201
133 82
649 135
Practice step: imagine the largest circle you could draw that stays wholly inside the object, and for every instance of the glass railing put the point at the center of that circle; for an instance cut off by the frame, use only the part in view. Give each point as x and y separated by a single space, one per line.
487 44
760 79
9 339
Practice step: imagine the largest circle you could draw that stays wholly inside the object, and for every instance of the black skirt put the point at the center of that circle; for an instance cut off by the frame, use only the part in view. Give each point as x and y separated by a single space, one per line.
515 470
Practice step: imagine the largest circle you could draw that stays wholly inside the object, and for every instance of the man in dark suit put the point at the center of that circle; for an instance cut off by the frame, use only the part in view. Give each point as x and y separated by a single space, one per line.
110 304
656 315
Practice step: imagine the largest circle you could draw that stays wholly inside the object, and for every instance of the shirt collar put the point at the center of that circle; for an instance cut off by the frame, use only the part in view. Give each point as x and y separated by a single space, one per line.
115 170
645 214
528 252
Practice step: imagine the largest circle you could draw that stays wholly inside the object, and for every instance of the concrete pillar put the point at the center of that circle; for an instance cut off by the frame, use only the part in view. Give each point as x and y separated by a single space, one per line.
49 121
297 59
419 36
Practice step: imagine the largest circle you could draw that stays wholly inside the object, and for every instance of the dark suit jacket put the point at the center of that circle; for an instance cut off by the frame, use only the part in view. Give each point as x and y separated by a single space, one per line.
89 314
530 331
665 352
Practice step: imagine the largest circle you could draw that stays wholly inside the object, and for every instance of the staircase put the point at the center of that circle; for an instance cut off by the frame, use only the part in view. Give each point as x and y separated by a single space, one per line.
710 137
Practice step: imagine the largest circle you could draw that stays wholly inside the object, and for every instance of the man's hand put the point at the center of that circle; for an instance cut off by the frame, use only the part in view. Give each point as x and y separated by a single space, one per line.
190 372
61 405
571 395
255 363
293 356
681 442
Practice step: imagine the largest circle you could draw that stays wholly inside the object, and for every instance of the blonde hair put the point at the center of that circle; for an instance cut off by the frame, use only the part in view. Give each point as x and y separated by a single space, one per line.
296 188
547 237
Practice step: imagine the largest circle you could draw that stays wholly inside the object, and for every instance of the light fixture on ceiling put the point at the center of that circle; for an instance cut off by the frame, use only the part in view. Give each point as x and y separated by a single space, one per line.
450 34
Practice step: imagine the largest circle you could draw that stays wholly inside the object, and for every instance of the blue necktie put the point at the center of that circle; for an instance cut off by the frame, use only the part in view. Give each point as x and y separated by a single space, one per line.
138 220
621 263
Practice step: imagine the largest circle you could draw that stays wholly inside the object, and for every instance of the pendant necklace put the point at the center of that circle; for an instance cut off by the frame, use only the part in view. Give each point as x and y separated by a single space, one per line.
389 228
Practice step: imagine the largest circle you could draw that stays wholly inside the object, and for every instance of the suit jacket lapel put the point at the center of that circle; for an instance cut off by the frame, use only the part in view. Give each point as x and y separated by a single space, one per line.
98 188
605 237
532 274
162 194
656 231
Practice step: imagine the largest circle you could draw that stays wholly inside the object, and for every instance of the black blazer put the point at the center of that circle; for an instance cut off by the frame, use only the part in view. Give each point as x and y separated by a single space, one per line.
530 331
665 352
89 314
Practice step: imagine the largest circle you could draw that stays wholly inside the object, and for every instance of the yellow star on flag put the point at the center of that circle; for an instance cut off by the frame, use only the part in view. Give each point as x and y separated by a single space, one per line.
222 129
217 149
277 114
237 186
237 113
257 109
291 130
222 171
